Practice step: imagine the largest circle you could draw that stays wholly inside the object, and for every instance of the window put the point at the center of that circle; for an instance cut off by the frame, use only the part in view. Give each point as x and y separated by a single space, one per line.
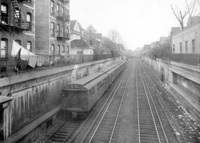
28 17
52 7
79 52
62 10
52 29
29 45
58 29
4 13
193 45
18 41
63 49
58 8
180 47
68 49
52 49
58 49
173 49
3 48
29 20
61 32
186 46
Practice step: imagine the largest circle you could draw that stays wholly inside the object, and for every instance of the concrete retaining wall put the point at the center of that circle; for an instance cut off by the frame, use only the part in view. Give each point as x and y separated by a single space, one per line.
35 93
182 80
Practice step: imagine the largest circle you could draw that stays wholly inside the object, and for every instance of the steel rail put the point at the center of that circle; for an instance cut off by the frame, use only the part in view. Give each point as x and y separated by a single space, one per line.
111 137
148 88
71 136
162 104
193 128
164 111
103 117
155 125
138 109
108 101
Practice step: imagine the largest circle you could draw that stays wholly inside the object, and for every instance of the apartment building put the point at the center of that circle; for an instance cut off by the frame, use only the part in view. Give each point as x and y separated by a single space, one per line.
52 27
17 23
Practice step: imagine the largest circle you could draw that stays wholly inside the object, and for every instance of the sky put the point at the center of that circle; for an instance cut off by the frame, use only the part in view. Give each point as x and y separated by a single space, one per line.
139 22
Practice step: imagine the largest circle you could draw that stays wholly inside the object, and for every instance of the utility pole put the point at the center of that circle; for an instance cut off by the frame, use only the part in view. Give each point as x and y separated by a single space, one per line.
82 45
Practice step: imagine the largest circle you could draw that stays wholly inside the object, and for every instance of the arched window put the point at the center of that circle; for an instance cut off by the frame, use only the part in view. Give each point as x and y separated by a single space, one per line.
52 49
63 49
29 45
62 10
52 29
4 48
58 29
67 49
58 49
4 13
58 8
52 7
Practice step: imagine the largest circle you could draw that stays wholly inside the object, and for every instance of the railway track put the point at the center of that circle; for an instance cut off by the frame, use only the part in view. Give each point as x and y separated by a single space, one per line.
64 132
183 126
150 128
102 128
68 131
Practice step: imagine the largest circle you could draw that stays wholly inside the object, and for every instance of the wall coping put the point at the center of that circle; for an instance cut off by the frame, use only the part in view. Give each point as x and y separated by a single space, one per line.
13 79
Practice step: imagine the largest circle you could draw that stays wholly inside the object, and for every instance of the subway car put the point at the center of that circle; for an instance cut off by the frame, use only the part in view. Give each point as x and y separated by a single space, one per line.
80 96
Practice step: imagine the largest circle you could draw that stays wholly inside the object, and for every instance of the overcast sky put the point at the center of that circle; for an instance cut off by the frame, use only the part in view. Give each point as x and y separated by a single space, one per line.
138 21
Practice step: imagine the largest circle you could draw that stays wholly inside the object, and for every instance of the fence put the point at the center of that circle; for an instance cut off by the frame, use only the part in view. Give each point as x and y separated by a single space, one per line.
8 65
191 59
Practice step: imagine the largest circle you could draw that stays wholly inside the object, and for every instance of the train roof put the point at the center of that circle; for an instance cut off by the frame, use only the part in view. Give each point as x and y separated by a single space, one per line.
87 82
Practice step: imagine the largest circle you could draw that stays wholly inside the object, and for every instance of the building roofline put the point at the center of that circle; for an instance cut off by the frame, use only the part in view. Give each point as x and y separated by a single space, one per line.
198 22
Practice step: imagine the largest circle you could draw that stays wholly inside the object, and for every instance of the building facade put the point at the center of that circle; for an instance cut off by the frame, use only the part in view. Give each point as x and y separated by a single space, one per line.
52 27
187 40
17 23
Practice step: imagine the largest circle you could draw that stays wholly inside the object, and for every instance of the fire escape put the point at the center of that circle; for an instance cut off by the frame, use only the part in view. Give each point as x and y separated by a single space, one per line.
19 23
64 18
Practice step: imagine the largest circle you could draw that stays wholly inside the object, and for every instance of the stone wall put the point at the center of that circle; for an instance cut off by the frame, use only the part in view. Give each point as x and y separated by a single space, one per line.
37 92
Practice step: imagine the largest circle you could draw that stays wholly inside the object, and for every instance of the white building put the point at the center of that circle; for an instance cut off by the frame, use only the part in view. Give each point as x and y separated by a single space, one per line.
78 42
79 46
187 40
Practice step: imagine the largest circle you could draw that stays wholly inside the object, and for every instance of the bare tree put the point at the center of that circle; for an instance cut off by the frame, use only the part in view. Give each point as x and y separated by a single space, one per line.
91 29
115 36
181 15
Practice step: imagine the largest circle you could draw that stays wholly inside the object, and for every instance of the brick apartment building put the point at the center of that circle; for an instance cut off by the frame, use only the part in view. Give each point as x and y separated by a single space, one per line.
52 27
17 22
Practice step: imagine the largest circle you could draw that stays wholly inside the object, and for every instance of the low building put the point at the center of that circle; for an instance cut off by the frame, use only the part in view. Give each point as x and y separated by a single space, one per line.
187 40
80 47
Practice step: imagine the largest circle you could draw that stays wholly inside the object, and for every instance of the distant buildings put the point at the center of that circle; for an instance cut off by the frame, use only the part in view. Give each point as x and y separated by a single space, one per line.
82 41
187 40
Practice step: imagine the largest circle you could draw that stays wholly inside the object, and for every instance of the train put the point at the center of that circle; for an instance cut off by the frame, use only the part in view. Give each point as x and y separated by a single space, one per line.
80 96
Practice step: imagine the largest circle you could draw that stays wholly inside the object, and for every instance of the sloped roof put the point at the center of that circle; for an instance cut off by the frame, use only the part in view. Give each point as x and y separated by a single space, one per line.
175 30
72 24
98 35
78 43
192 20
